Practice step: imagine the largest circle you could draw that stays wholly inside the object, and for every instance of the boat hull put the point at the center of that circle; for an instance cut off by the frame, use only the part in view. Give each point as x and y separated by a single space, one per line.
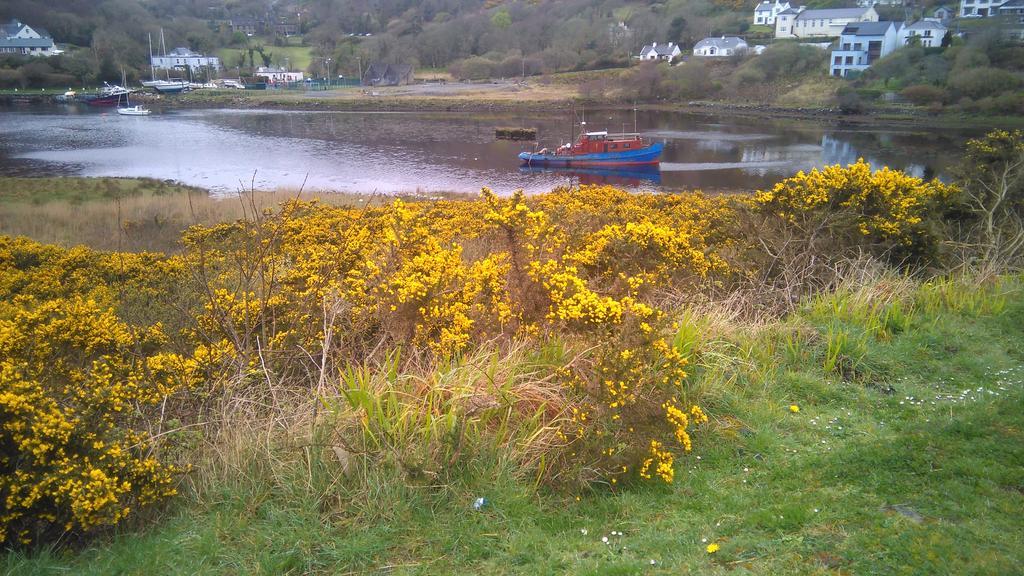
105 101
640 157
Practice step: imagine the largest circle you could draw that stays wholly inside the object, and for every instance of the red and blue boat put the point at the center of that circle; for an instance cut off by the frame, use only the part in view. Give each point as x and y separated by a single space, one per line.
598 149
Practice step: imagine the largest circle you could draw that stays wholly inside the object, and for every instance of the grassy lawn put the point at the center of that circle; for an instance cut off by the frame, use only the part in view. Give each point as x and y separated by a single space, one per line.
299 57
912 462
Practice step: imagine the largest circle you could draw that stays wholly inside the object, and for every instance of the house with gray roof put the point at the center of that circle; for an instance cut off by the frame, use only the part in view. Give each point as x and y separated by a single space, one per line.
765 12
861 44
720 47
828 23
929 32
181 58
16 37
666 52
1011 13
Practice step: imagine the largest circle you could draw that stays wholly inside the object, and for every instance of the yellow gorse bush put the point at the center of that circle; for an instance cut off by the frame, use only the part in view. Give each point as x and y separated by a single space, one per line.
886 207
75 385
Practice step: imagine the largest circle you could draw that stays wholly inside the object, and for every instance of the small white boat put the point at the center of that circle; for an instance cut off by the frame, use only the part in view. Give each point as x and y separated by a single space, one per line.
136 110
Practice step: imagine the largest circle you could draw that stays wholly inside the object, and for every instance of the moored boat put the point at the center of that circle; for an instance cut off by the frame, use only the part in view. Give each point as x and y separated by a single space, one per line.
136 110
109 96
598 149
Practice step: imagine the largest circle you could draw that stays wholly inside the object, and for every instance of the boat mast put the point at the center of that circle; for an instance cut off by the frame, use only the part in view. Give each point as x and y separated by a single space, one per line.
152 71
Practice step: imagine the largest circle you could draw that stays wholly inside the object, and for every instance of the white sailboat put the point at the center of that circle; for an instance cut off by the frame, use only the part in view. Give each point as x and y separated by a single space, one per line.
128 109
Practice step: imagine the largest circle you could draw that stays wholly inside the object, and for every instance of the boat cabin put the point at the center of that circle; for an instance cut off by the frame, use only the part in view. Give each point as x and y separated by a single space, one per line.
602 142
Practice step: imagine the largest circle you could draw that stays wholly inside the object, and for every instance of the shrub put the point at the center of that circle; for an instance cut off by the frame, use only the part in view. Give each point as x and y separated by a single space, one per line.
75 386
984 81
852 207
922 94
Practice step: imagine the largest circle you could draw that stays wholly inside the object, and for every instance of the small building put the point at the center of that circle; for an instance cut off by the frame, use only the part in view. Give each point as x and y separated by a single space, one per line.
16 37
279 75
248 26
181 58
943 14
765 12
861 44
829 23
380 74
285 28
667 52
929 32
720 47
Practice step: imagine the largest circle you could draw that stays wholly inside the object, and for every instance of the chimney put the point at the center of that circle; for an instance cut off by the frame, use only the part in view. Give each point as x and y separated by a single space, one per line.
669 44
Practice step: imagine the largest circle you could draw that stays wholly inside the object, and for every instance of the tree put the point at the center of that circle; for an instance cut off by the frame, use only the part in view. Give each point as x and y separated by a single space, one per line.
501 19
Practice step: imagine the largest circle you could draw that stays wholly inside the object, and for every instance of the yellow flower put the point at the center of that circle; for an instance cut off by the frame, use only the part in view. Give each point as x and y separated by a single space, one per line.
794 408
712 548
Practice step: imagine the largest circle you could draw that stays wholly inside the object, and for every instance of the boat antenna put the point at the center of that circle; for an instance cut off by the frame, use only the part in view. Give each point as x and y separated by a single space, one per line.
634 118
152 71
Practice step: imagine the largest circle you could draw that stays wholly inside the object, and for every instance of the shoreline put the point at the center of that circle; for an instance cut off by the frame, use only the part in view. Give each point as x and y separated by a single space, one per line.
477 103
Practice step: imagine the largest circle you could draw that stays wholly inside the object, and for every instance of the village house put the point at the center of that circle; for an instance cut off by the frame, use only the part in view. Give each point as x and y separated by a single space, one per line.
720 47
829 23
667 52
1011 13
285 28
980 8
248 26
184 58
929 32
765 12
861 44
943 14
279 75
16 37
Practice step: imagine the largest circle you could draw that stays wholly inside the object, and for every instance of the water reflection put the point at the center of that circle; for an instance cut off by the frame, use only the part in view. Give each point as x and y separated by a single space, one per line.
431 152
631 177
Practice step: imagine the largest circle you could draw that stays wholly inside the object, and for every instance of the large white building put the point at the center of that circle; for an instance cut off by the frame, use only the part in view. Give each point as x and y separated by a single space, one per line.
184 58
666 52
16 37
829 23
861 44
980 8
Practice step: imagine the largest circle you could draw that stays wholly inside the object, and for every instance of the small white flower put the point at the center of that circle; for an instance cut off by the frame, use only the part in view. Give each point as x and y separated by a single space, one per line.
583 531
703 540
653 562
604 539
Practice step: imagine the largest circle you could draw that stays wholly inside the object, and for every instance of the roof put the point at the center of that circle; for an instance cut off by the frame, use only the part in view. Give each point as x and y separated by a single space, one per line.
723 43
927 25
789 11
763 6
1011 4
868 28
26 42
660 49
832 13
14 26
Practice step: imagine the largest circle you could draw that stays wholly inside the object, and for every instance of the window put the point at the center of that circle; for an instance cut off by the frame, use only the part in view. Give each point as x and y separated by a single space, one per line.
838 60
849 60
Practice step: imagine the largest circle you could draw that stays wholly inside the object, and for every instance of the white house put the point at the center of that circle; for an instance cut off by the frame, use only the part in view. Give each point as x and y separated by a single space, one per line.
656 51
765 12
16 37
184 58
979 8
943 14
279 75
867 3
720 47
928 31
829 23
861 44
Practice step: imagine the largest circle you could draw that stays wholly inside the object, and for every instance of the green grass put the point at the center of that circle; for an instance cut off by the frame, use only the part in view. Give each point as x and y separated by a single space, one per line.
76 190
879 472
299 57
